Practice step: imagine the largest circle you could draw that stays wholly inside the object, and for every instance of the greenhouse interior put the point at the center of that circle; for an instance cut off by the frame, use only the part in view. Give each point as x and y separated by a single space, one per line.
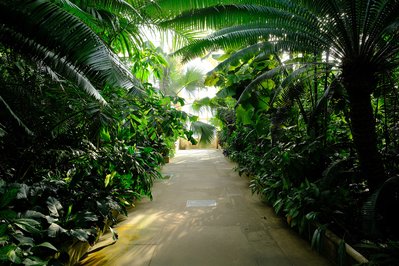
199 132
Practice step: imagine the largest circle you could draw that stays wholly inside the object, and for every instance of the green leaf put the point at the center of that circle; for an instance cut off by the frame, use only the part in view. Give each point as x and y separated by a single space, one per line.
54 230
244 115
28 225
54 206
4 251
165 101
104 134
81 234
114 233
34 261
8 214
3 229
8 197
47 245
24 240
13 257
90 217
211 80
204 130
34 215
23 192
108 178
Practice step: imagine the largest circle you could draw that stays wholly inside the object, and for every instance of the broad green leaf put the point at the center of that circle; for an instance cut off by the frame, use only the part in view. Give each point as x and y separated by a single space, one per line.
8 196
54 230
33 214
226 92
28 225
165 101
23 192
4 251
263 103
268 84
24 240
211 80
54 206
90 217
244 115
81 234
34 261
13 257
47 245
8 214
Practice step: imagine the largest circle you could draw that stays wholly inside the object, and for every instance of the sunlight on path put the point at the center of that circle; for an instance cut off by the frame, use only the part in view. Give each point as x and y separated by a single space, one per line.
205 215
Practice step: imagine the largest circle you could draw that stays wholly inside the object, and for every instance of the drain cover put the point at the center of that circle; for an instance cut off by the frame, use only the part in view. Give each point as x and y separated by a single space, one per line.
201 203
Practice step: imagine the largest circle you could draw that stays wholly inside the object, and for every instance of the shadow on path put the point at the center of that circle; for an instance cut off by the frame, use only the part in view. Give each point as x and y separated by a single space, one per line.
203 214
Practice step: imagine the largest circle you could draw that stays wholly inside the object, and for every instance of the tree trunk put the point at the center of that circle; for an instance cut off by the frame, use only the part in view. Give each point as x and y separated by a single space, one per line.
363 127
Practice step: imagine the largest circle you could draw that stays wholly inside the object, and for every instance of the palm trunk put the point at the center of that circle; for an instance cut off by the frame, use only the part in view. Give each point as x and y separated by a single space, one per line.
363 130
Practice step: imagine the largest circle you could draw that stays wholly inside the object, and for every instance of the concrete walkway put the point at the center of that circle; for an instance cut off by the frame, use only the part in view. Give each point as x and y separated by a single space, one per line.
204 215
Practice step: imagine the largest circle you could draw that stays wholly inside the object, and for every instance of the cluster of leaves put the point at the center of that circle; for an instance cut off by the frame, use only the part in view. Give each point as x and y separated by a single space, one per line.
69 162
75 161
337 90
296 143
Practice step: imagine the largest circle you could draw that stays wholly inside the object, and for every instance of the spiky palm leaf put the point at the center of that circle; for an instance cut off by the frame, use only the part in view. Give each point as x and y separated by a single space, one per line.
117 22
38 30
190 80
204 130
361 34
241 55
19 121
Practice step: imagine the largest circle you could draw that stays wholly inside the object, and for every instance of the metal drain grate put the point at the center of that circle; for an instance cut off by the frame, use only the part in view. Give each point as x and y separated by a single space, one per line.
201 203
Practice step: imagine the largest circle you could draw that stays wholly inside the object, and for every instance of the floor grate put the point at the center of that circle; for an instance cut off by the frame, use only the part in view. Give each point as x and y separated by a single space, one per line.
201 203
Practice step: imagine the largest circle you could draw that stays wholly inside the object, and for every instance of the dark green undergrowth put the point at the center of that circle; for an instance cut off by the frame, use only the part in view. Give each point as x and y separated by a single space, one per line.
70 163
296 145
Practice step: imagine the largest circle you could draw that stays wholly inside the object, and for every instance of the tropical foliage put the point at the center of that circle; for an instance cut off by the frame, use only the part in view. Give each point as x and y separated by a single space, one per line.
307 104
78 141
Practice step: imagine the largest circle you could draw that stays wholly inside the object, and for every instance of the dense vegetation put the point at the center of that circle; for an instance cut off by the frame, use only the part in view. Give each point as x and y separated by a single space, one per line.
307 107
83 132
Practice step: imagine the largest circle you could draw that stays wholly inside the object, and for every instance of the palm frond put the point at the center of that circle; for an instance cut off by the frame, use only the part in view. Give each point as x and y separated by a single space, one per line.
201 103
224 16
114 6
15 116
204 130
242 55
37 29
256 82
241 36
191 80
292 85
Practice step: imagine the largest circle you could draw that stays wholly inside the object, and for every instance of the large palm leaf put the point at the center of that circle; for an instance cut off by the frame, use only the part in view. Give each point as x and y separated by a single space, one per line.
361 35
116 22
205 131
47 33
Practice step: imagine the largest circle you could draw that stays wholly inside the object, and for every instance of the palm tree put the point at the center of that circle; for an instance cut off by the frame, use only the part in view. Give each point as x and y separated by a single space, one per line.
57 37
360 37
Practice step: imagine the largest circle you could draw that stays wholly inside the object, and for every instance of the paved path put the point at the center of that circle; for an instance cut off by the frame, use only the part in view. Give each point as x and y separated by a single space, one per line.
204 215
